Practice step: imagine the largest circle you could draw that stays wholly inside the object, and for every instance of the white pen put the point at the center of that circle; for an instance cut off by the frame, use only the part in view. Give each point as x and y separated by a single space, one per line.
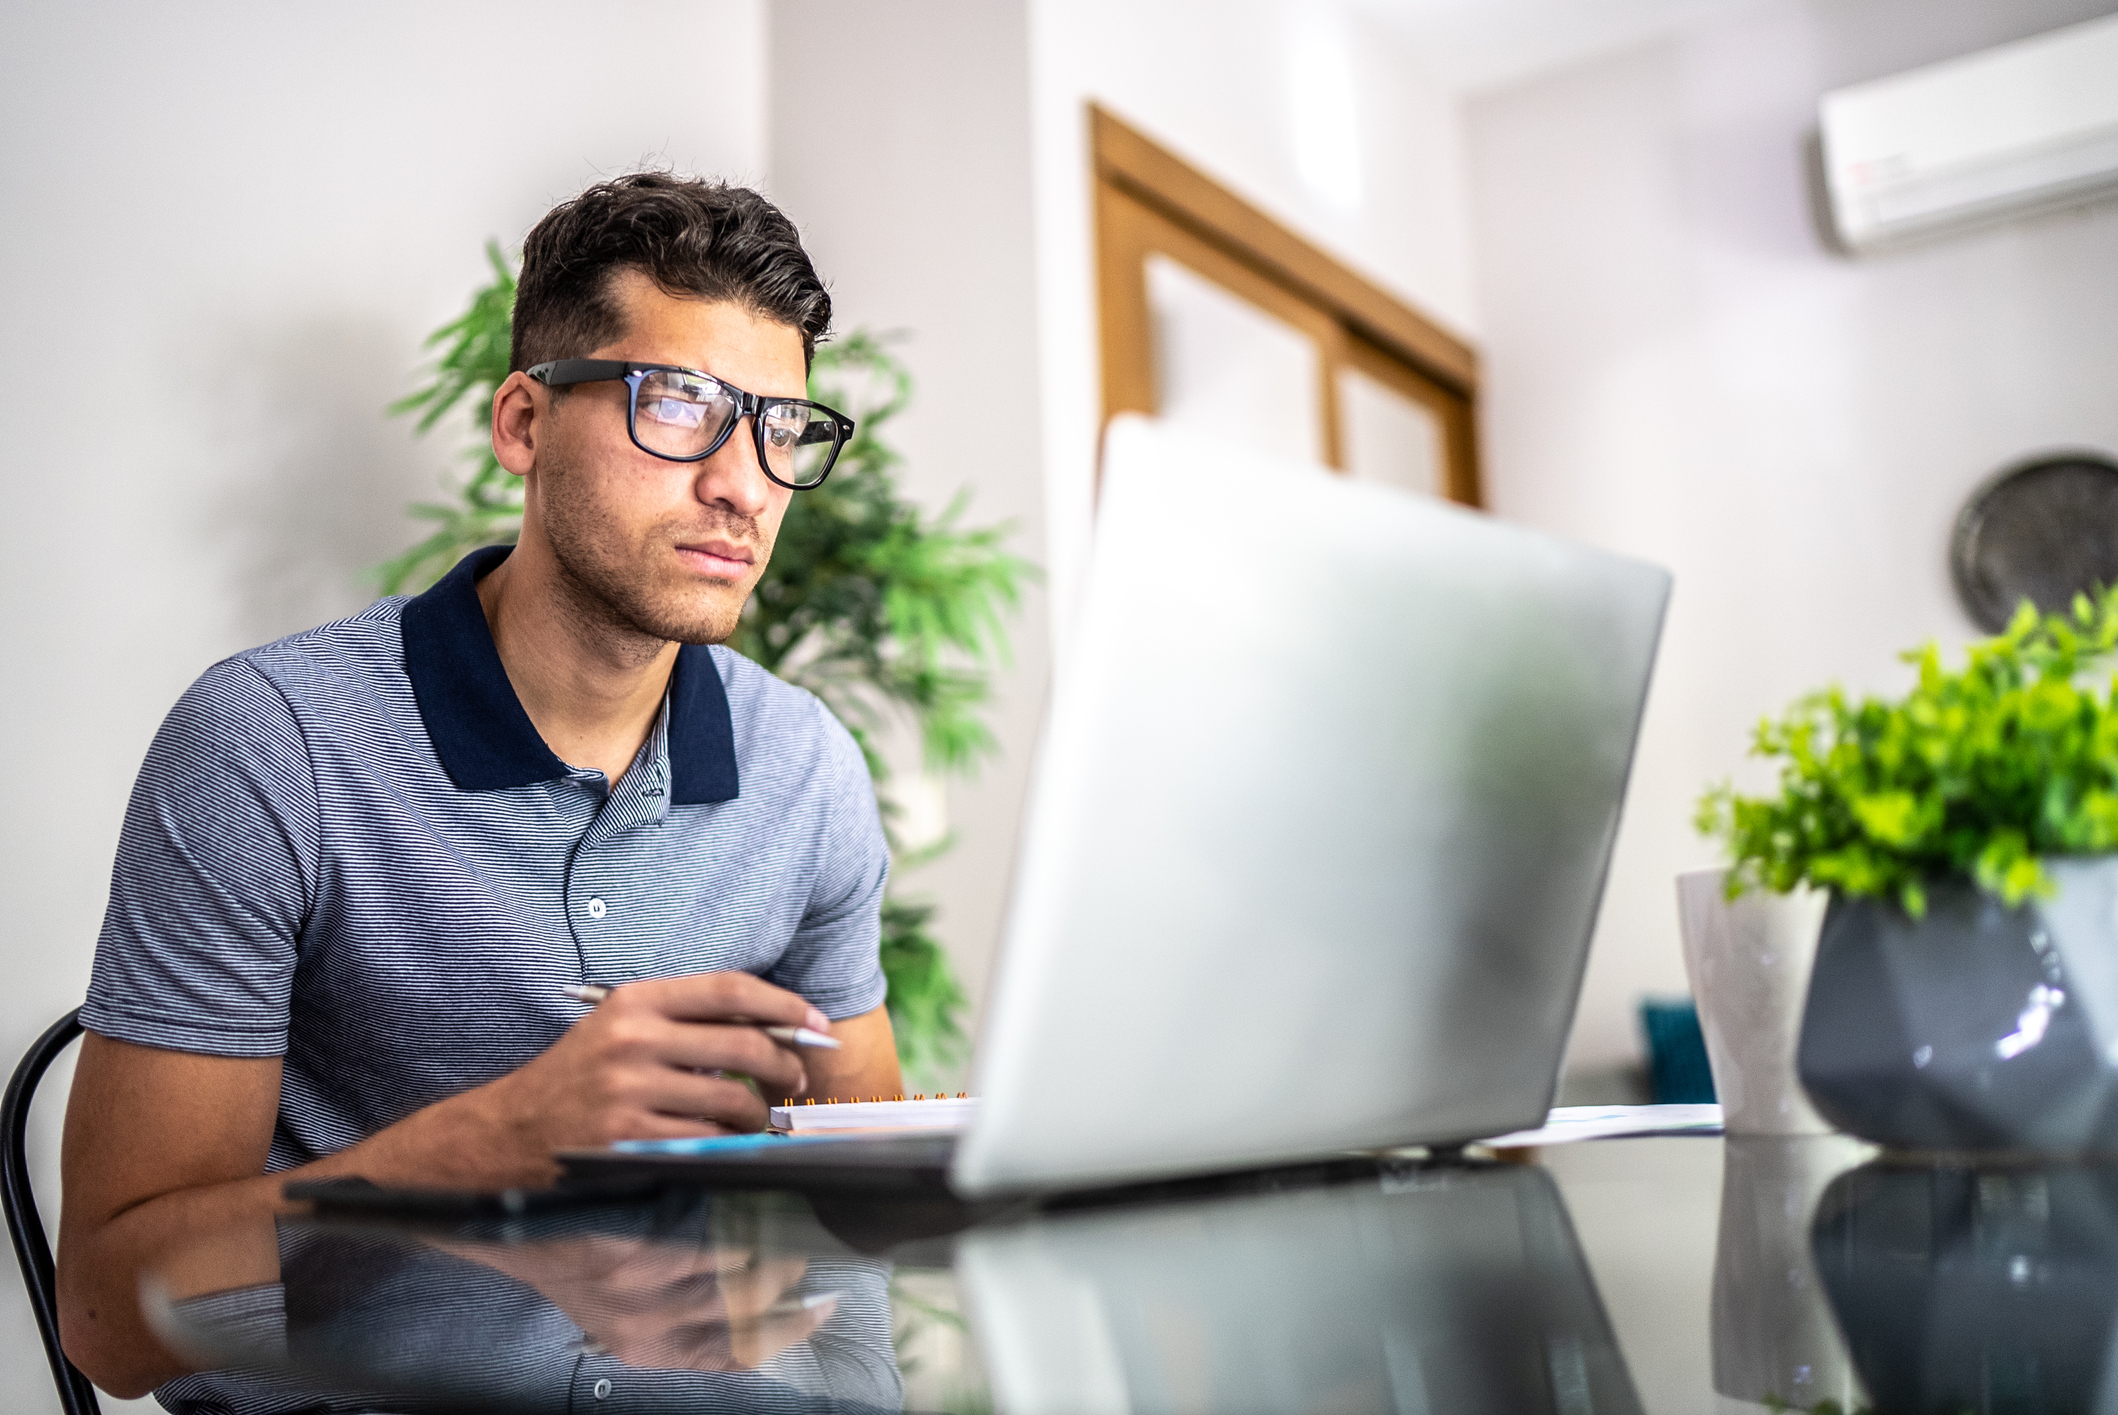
593 993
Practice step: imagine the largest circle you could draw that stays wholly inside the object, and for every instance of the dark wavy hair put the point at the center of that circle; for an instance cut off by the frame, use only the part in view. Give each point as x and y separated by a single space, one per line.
701 240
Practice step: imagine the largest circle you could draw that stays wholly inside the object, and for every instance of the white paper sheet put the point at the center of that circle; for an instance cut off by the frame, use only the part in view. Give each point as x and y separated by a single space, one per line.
1569 1123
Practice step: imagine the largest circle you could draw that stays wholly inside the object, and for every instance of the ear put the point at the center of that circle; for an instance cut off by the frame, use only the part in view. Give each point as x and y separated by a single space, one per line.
517 405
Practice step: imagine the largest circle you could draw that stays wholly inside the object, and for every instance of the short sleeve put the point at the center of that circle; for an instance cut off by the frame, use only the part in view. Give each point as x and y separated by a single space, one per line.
215 877
834 958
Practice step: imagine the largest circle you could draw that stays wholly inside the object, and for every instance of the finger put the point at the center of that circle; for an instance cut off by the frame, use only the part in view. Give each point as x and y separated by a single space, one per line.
698 1270
699 1046
707 997
753 1292
722 1287
667 1091
733 1260
721 1346
754 1343
671 1268
629 1034
636 1123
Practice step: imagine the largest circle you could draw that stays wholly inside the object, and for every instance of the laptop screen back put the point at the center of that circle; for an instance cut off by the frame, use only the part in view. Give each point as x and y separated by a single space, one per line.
1318 827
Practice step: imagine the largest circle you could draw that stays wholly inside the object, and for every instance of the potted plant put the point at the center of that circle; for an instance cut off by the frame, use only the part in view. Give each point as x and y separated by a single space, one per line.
1965 989
869 602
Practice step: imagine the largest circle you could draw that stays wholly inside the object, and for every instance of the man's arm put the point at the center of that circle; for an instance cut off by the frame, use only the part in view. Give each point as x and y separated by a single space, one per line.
163 1147
834 954
864 1065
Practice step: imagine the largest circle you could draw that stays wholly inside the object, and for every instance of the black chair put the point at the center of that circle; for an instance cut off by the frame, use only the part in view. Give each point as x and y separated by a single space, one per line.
76 1395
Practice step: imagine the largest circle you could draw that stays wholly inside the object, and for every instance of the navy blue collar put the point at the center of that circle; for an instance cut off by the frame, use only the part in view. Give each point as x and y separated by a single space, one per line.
485 740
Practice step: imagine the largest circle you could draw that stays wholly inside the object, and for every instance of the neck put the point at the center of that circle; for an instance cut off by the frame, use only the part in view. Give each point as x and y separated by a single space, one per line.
591 687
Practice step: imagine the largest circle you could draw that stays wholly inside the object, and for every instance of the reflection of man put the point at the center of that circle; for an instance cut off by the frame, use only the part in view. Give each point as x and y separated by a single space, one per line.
680 1306
361 863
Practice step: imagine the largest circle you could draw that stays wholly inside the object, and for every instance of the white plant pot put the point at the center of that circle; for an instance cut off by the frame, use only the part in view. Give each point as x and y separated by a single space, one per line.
1748 959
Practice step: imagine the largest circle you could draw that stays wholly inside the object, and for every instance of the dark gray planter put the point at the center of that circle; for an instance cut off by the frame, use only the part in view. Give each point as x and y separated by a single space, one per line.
1979 1027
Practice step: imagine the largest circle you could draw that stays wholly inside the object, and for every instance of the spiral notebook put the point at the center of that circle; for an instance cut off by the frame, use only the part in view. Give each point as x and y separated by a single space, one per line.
938 1112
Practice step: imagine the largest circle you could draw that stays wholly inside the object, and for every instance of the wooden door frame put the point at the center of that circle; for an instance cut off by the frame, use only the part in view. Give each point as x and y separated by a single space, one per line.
1149 199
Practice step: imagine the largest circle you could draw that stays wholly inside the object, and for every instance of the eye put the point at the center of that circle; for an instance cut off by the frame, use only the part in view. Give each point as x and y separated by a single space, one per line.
674 411
785 425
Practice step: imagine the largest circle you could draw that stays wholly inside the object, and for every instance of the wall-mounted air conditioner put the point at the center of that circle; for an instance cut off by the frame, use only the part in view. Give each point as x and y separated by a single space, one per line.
2028 126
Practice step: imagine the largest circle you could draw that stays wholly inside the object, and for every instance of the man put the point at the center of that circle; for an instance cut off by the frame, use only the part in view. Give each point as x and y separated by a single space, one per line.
362 865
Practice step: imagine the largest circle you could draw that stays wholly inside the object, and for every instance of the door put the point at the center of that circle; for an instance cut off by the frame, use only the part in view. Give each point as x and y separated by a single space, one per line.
1215 315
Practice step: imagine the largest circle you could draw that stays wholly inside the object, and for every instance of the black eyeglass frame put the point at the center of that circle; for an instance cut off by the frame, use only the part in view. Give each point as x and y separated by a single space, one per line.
564 373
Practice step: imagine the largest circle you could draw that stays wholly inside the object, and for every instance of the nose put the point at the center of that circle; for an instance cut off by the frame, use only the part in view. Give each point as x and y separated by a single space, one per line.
733 477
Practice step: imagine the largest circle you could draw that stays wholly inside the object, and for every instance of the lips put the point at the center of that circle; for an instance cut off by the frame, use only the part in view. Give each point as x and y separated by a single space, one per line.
722 559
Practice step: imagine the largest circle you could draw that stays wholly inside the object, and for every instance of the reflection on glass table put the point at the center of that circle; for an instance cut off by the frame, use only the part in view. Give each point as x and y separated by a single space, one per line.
1441 1290
1975 1289
1600 1280
1774 1338
1403 1288
684 1302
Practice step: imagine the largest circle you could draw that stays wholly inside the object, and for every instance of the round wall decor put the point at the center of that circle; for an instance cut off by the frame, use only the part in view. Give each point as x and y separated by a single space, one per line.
2045 530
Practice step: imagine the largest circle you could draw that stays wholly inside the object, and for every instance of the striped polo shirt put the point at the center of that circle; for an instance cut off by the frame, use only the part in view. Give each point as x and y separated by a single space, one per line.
351 849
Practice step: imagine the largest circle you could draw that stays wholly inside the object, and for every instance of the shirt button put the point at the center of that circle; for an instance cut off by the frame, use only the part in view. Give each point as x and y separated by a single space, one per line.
597 908
603 1389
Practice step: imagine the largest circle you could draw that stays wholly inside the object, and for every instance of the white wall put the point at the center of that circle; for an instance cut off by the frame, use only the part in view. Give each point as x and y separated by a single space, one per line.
908 173
244 217
1678 369
1268 97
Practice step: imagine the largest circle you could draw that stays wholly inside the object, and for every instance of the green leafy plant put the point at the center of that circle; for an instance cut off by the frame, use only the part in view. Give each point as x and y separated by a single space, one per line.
488 506
1979 771
868 602
883 611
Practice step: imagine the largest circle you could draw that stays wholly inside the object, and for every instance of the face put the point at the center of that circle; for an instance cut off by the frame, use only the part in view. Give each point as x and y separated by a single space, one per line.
668 550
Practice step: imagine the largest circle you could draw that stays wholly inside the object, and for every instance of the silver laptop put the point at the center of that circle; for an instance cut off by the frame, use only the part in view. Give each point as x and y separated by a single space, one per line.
1317 833
1318 827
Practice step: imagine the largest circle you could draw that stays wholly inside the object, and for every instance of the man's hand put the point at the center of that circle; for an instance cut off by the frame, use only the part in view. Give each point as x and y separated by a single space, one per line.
638 1068
654 1303
162 1146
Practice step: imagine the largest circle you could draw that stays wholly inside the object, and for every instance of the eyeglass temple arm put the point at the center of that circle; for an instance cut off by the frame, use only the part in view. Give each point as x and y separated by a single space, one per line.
561 372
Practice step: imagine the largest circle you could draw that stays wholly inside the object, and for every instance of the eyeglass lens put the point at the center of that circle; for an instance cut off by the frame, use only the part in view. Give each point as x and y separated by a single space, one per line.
800 442
681 414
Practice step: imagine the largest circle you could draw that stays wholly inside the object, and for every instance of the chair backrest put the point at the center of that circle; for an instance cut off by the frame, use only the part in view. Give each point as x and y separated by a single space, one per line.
76 1395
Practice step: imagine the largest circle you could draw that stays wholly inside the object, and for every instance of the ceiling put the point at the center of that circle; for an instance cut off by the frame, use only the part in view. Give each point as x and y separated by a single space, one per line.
1482 44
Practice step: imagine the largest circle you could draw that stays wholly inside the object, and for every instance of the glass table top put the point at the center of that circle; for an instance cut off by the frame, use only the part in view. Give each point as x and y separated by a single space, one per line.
1671 1275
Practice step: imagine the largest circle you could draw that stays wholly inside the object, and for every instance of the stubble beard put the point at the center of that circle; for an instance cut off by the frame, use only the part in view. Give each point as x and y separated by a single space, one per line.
611 580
